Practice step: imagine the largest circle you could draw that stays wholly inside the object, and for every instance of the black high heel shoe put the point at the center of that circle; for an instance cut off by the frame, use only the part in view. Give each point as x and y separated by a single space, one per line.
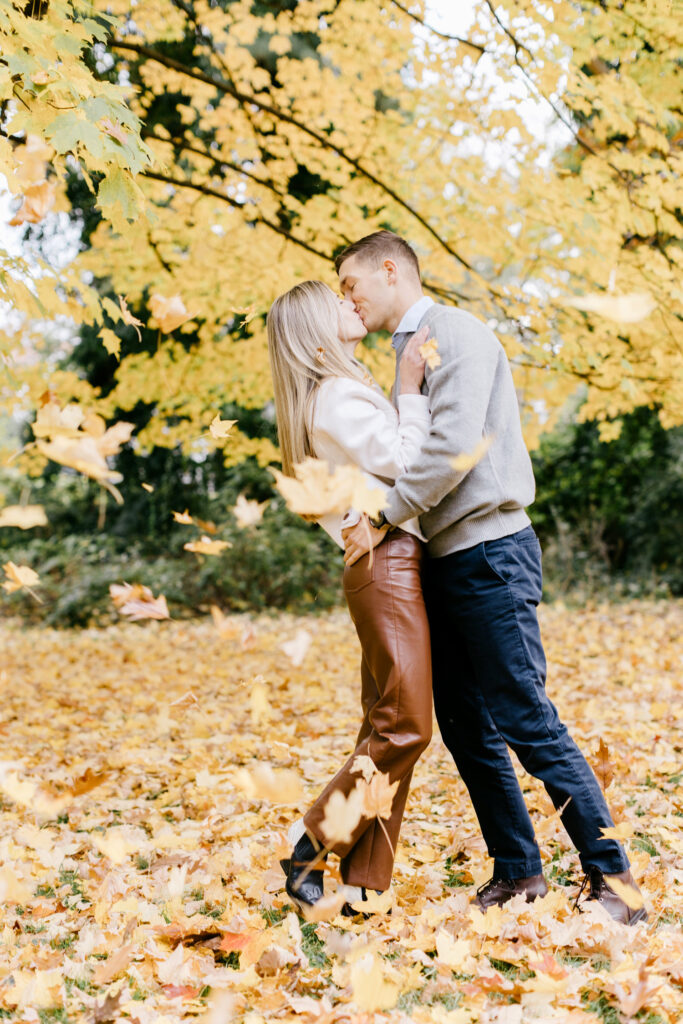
304 884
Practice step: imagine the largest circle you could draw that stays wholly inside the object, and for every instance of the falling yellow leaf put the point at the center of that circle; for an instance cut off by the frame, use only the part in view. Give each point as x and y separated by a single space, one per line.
168 312
430 353
378 796
265 783
37 201
625 309
183 517
464 462
297 648
248 513
206 546
19 576
316 492
52 420
342 815
220 429
365 766
137 602
631 897
148 488
23 516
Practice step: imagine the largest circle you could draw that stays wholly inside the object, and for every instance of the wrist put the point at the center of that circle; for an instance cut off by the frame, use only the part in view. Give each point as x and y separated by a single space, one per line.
379 522
409 389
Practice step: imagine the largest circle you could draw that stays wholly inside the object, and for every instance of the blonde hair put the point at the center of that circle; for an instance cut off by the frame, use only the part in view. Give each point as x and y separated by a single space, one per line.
304 349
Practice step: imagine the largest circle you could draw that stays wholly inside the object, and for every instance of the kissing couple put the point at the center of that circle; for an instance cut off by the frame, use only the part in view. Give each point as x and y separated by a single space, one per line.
446 603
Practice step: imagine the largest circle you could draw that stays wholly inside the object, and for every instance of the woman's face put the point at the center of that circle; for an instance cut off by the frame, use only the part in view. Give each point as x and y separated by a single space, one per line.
351 327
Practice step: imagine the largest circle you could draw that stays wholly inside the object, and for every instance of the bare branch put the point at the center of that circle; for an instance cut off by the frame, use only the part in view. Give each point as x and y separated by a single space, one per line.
436 31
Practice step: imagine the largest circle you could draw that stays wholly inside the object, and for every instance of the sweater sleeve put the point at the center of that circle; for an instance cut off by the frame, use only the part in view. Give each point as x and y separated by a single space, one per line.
348 415
459 391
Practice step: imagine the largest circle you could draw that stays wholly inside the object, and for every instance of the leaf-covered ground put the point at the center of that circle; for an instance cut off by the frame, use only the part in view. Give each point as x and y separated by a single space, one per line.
140 833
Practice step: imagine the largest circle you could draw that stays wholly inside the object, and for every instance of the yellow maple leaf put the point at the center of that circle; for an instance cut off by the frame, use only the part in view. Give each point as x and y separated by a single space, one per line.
314 491
37 201
454 953
168 312
342 815
466 461
365 766
631 897
430 353
378 796
248 513
624 309
18 577
264 783
220 429
206 546
624 830
183 517
371 990
23 516
52 420
138 602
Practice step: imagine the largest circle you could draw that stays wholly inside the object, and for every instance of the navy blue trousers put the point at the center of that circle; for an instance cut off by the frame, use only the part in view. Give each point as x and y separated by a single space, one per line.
489 694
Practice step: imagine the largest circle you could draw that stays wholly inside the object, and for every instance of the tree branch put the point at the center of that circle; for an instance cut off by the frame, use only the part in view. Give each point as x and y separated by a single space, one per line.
436 31
282 115
251 221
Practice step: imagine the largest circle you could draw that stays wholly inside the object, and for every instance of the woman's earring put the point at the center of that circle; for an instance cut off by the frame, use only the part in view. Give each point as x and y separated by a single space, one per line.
320 355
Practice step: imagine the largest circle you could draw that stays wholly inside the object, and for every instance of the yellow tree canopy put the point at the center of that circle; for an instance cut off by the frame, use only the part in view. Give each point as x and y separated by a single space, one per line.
279 132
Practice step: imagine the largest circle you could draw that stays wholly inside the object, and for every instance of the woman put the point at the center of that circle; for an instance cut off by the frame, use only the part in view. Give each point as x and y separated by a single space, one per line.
328 406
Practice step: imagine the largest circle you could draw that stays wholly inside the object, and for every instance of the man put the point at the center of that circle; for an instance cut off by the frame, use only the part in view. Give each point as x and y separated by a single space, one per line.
482 585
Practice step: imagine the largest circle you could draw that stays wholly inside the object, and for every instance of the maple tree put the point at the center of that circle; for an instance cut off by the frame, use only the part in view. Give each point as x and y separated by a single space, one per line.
254 139
146 805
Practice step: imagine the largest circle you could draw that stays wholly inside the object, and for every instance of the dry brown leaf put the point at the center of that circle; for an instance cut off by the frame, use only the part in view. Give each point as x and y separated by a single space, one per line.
108 969
602 766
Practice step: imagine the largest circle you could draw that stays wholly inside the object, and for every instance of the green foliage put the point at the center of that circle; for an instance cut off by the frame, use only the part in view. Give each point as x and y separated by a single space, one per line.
611 512
282 563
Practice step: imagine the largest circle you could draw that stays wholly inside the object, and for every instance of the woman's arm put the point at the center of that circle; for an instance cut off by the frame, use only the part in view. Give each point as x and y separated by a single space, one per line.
349 419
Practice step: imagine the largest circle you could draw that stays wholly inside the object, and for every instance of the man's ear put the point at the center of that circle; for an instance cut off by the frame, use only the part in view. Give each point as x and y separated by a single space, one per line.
391 270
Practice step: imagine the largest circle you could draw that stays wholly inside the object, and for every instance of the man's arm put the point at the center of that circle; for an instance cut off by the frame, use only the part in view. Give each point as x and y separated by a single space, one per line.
459 394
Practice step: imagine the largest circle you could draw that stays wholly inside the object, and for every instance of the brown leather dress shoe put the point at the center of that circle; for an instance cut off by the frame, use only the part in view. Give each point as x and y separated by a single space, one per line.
497 891
614 904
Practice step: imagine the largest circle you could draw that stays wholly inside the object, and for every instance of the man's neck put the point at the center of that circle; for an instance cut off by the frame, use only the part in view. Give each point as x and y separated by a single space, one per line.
402 308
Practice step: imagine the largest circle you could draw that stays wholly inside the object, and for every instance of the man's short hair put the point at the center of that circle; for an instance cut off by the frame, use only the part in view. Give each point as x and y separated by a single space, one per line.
377 247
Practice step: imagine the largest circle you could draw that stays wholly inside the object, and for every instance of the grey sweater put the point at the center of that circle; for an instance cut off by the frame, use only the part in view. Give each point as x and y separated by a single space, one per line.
472 397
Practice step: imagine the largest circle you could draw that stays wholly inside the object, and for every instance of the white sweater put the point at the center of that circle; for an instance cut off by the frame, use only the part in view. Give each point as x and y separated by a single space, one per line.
355 424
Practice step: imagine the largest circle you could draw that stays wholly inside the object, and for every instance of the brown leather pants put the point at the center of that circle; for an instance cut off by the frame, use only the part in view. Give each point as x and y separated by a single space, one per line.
386 605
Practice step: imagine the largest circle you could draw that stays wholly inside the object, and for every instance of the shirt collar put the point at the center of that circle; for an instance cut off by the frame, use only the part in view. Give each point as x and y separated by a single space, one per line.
411 319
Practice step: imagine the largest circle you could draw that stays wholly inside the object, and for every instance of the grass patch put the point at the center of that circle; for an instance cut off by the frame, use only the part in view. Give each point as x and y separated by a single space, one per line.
313 947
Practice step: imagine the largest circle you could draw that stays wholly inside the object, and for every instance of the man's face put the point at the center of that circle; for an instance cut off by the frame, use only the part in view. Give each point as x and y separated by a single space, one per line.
369 289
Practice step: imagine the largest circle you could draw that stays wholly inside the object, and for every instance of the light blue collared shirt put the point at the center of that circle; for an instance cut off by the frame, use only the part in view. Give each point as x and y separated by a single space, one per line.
411 320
